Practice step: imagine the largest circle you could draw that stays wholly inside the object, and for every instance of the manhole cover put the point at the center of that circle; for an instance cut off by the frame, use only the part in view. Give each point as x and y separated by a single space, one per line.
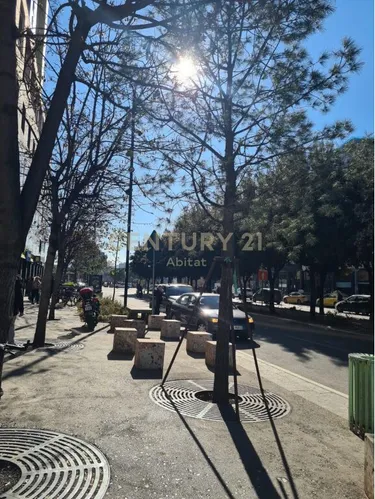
53 465
61 345
185 396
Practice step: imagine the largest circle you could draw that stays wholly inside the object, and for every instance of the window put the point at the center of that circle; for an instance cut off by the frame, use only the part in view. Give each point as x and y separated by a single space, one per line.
34 146
23 122
184 300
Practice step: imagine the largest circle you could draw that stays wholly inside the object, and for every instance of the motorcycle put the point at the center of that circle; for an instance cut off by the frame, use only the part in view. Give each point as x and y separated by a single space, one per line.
90 307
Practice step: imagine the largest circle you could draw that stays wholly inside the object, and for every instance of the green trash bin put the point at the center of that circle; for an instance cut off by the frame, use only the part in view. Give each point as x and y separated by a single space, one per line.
361 393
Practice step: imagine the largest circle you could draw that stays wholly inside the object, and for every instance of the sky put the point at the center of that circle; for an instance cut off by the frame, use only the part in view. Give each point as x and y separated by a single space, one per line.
354 19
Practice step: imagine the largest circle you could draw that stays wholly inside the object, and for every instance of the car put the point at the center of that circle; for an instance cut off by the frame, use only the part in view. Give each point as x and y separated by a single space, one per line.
249 294
204 315
264 295
357 304
296 298
172 291
330 299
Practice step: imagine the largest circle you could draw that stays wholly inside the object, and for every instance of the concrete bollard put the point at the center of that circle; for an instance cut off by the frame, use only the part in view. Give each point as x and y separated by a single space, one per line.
149 354
124 340
196 341
170 329
154 322
138 324
116 321
211 354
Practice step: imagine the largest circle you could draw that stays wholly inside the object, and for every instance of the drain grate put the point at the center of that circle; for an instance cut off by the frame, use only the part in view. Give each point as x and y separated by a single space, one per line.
181 395
61 345
53 465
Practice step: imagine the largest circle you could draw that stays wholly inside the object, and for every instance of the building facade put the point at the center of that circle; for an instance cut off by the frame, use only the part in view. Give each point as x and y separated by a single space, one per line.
31 21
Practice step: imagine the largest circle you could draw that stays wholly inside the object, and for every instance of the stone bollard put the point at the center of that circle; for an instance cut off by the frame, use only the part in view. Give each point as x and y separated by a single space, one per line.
170 329
196 341
138 324
124 340
116 321
369 465
211 354
154 322
149 354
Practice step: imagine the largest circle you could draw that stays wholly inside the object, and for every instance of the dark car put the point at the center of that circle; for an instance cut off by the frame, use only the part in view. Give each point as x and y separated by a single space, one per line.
172 291
205 316
356 304
264 295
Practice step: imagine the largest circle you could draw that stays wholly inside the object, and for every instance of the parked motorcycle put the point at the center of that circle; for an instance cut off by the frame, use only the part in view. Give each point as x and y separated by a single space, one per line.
90 307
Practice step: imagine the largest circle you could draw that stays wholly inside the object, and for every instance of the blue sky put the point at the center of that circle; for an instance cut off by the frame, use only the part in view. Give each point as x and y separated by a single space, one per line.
354 19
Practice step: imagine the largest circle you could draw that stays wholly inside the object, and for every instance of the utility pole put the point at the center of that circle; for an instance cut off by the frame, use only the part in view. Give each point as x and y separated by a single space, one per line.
130 194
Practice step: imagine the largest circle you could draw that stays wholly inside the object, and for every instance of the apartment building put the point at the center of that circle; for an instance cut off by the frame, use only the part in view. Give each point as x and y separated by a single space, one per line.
31 20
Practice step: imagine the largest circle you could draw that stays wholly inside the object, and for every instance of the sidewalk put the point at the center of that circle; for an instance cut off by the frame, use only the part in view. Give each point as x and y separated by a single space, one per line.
157 453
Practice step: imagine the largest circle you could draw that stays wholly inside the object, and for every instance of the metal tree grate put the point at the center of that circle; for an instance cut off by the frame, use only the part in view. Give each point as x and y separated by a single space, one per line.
181 395
61 345
53 465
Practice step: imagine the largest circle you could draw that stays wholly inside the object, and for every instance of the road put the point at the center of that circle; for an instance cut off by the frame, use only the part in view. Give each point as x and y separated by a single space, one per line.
307 350
306 308
300 348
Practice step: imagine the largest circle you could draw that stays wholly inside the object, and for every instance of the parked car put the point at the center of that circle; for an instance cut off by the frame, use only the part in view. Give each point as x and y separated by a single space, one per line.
296 298
264 295
206 314
330 299
357 304
172 291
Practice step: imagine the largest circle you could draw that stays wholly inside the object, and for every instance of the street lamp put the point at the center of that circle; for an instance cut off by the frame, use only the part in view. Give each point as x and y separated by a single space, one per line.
130 194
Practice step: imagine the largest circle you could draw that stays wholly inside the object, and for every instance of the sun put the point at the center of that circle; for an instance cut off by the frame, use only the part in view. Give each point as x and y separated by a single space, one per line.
185 69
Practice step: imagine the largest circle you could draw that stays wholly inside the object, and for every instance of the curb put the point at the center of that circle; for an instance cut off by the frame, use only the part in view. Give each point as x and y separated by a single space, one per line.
328 330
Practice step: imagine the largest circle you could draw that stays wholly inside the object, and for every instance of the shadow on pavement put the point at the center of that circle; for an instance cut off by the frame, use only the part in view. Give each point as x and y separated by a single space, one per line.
146 373
202 450
252 463
27 368
120 356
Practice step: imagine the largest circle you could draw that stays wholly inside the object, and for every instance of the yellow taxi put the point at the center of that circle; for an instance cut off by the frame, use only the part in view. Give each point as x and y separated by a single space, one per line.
296 298
330 299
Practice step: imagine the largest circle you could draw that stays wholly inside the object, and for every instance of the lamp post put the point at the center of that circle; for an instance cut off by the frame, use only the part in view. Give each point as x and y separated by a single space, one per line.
130 194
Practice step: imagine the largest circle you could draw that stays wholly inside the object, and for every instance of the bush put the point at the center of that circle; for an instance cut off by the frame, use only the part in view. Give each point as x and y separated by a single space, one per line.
107 308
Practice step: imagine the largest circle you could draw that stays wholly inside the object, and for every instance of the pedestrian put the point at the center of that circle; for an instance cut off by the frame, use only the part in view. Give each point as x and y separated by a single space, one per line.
29 288
158 293
17 308
35 295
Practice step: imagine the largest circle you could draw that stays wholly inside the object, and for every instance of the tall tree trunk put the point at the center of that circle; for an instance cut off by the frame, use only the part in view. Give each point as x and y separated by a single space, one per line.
312 292
271 279
56 284
40 331
221 392
46 142
370 271
322 280
11 234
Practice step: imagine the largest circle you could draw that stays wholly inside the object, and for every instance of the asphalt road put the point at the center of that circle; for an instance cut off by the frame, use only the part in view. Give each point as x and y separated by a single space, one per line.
306 308
300 348
307 350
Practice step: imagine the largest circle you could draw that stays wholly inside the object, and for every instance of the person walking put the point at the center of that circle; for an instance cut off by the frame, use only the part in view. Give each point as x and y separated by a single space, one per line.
35 295
17 308
158 293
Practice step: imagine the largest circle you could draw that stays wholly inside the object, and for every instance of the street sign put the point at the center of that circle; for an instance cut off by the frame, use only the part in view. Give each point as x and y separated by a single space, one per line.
262 275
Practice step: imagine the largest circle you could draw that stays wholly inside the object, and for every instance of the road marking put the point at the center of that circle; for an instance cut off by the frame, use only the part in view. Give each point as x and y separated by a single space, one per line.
307 380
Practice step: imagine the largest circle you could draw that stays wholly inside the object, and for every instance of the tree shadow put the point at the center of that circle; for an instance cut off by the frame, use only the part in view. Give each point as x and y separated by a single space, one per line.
302 340
251 461
137 373
47 353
